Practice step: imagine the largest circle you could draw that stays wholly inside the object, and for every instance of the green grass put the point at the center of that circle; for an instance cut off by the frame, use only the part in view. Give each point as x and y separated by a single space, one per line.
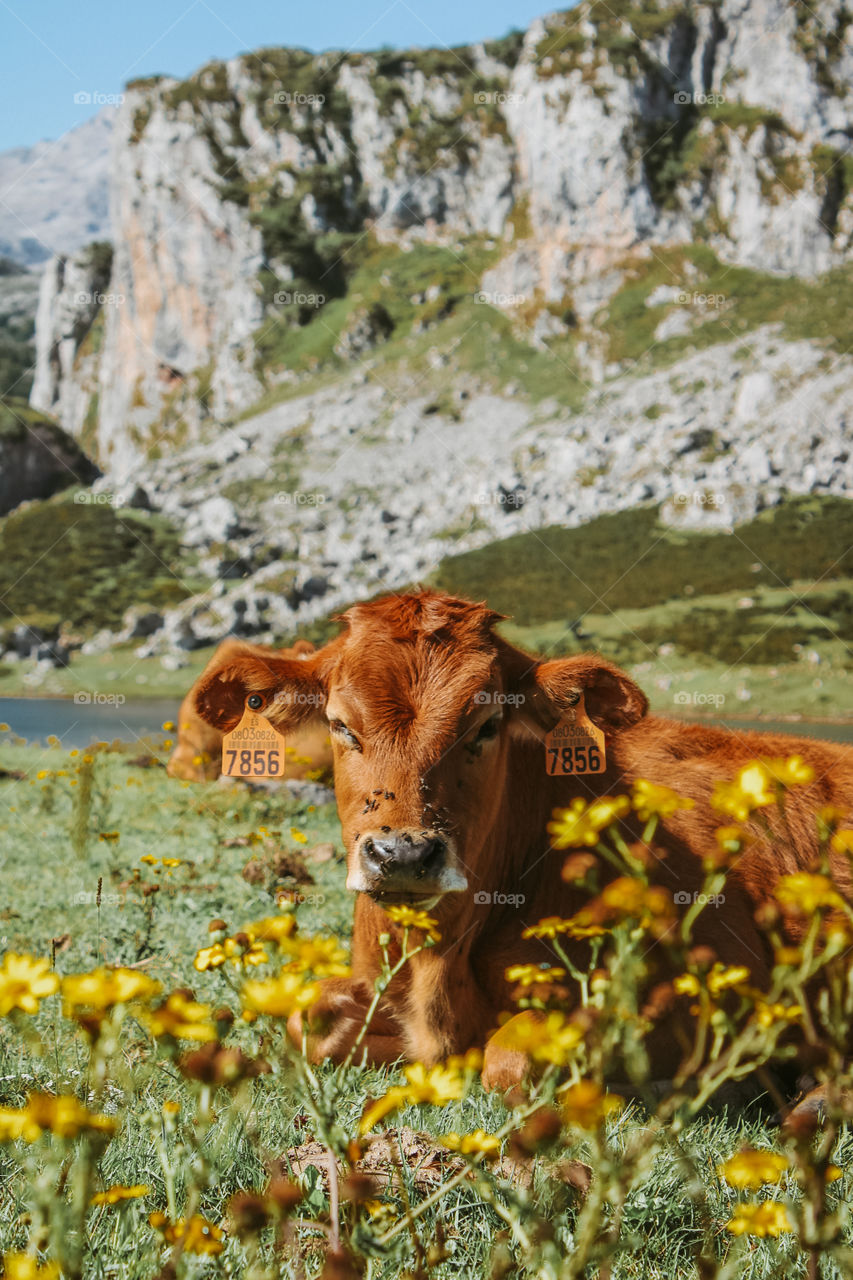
629 560
42 827
85 562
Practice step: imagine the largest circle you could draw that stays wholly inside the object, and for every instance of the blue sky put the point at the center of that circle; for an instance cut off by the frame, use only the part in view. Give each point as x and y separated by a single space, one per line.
56 49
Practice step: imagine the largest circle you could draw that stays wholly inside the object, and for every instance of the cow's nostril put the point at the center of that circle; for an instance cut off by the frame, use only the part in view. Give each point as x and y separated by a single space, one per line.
403 855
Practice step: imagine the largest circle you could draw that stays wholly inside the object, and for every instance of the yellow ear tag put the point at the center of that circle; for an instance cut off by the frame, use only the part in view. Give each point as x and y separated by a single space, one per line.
253 749
575 745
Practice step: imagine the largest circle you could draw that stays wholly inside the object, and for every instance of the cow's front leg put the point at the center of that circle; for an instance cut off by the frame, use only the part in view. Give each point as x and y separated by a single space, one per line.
504 1065
332 1025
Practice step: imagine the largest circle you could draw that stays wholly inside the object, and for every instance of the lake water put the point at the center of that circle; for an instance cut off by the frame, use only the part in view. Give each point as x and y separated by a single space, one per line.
79 724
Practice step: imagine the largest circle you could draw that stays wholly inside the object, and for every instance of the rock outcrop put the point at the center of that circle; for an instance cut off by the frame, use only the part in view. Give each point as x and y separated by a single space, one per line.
241 194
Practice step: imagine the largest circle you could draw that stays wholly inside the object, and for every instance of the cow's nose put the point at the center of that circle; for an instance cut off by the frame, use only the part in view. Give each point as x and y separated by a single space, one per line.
404 855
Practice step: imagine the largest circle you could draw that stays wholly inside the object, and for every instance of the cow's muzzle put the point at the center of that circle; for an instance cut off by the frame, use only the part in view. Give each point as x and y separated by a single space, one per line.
405 865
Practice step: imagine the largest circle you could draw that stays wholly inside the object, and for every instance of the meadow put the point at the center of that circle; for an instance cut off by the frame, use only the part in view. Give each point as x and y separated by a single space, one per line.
189 1150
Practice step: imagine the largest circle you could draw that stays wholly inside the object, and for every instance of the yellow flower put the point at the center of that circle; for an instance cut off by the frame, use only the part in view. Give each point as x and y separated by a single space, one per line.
172 862
281 996
767 1219
842 841
722 978
24 982
23 1266
752 789
182 1018
324 957
115 1194
299 836
731 839
198 1235
273 929
168 726
687 984
805 893
409 918
477 1143
579 824
552 925
551 1038
62 1115
530 975
586 1105
750 1169
768 1014
792 772
437 1085
105 988
150 859
210 957
109 837
650 798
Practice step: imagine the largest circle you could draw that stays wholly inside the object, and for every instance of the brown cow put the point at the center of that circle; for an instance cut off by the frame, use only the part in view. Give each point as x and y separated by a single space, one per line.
197 756
437 727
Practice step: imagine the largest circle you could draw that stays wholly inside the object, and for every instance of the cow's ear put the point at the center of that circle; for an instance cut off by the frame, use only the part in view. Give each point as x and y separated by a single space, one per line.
292 689
551 688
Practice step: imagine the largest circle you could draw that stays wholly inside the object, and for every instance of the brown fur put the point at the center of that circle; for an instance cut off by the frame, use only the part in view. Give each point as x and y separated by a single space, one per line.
197 756
404 676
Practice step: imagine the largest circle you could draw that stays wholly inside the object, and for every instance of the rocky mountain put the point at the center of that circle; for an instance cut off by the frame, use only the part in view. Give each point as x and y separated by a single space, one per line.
365 309
54 196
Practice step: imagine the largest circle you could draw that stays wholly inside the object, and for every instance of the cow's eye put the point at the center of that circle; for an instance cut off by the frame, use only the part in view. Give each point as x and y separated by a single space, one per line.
346 735
488 729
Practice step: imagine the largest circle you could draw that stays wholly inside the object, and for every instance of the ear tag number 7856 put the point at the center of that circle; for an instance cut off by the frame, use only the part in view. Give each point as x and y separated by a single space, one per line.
253 749
575 745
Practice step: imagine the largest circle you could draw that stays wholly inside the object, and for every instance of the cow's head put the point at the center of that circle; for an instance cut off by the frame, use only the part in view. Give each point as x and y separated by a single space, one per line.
422 699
